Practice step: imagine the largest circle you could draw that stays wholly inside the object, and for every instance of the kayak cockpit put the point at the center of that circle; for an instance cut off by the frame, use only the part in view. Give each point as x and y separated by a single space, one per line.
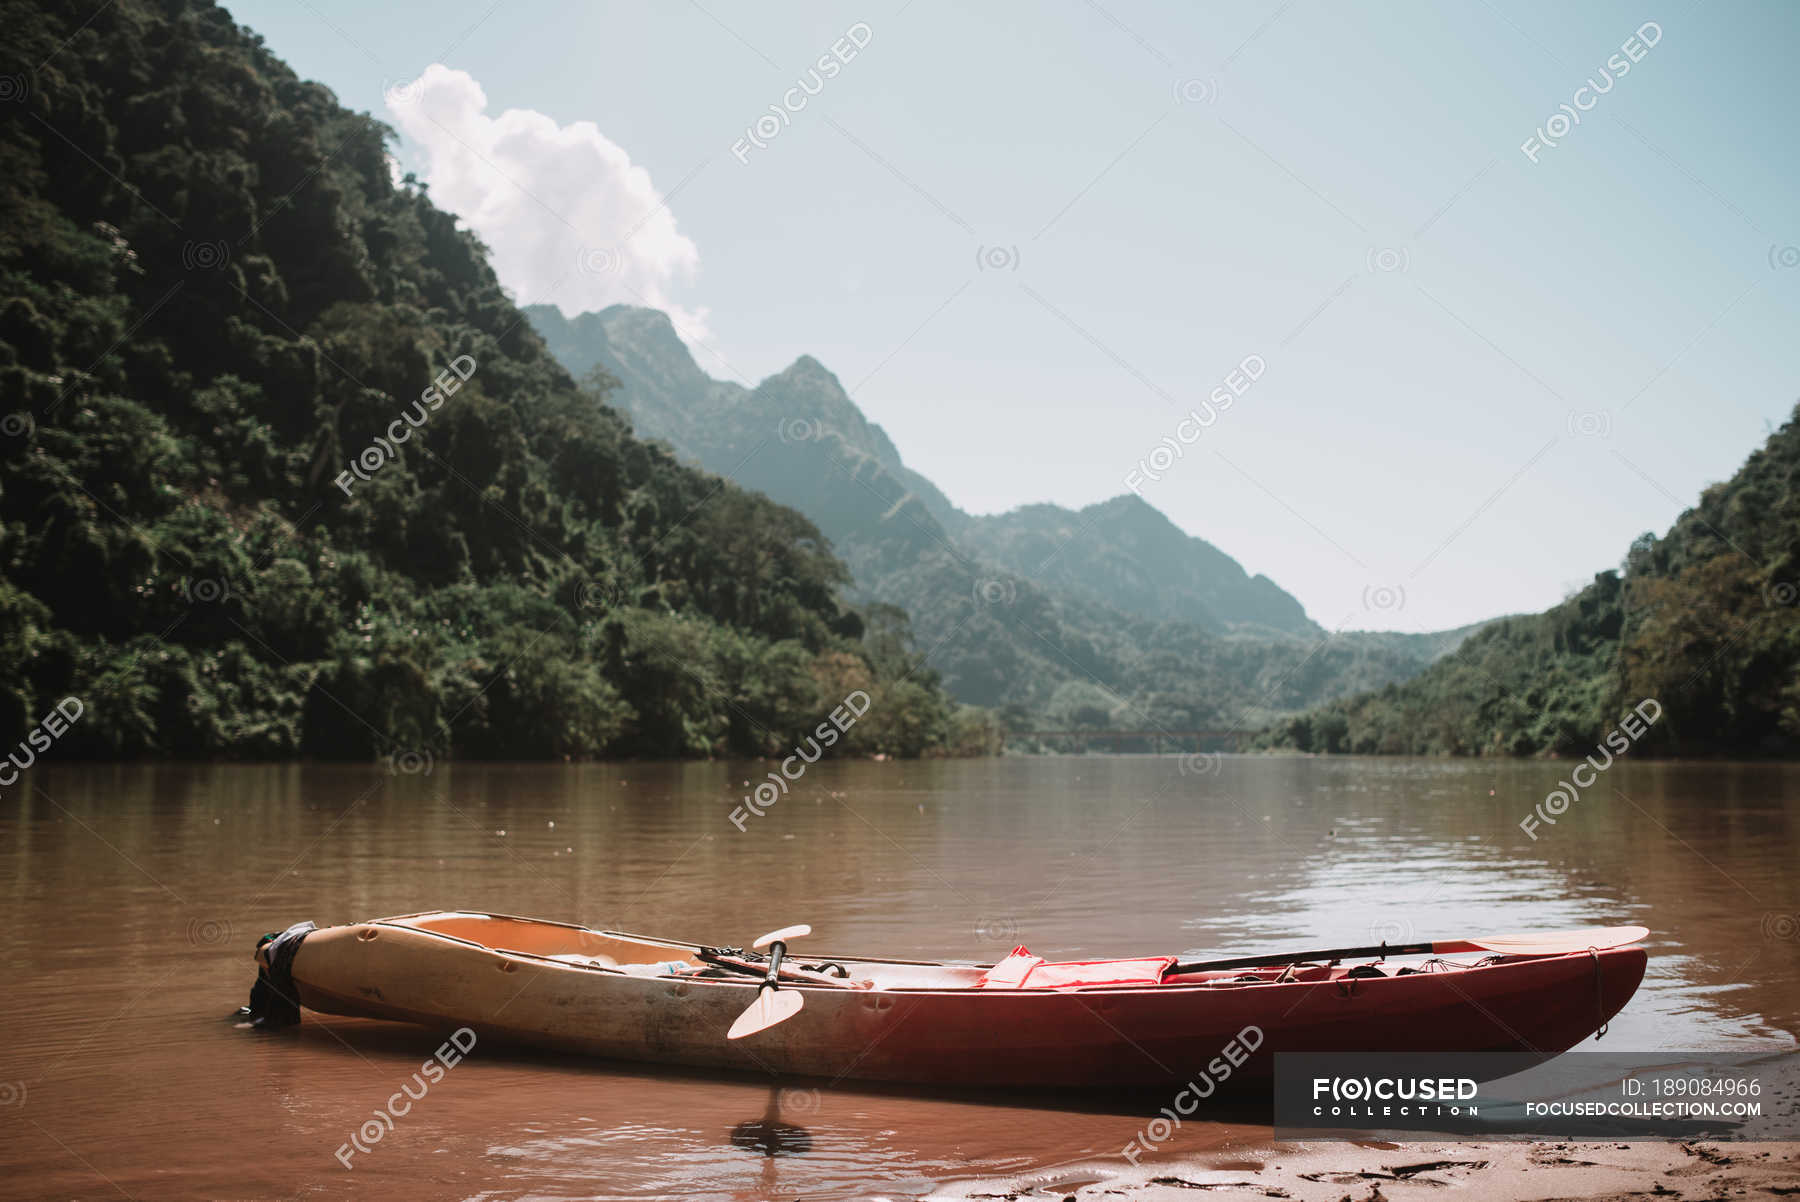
641 955
559 941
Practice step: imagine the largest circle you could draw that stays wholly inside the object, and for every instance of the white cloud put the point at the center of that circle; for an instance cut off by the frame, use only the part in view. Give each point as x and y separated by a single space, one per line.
567 218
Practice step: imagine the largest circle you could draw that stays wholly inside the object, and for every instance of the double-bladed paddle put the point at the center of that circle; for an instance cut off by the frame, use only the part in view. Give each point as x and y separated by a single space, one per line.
771 1005
1550 943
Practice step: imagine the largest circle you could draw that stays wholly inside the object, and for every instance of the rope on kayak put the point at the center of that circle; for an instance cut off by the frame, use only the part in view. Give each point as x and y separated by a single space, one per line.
1599 996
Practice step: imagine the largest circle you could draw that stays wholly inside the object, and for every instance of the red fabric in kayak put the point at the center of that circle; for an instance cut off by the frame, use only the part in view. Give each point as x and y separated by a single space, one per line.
1011 972
1022 970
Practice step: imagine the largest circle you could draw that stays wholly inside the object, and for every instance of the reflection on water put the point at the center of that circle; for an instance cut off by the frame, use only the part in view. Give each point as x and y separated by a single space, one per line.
133 895
771 1137
768 1134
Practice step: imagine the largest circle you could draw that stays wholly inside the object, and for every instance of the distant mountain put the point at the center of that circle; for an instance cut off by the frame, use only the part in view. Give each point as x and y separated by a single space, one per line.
796 434
1121 552
1110 615
1126 554
1704 623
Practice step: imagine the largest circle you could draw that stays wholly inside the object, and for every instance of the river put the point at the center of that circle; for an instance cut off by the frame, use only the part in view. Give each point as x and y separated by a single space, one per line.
133 895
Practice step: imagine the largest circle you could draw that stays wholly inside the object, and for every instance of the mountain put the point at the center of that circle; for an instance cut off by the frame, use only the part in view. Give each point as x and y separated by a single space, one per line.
287 474
1106 616
1703 624
1126 554
1121 553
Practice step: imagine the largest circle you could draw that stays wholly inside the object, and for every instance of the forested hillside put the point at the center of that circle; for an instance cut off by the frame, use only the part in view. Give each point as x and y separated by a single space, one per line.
1105 617
285 472
1704 619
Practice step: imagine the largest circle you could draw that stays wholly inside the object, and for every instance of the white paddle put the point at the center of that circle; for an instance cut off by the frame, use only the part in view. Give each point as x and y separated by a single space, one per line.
771 1005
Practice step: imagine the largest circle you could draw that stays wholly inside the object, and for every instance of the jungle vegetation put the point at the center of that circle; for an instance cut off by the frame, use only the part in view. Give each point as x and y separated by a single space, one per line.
215 302
1704 619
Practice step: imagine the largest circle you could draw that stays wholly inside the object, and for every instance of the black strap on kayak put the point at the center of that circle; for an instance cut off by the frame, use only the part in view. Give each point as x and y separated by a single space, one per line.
274 1001
734 959
1334 954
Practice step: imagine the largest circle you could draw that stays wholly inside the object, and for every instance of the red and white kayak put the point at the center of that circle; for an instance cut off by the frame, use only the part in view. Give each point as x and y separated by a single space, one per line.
1022 1022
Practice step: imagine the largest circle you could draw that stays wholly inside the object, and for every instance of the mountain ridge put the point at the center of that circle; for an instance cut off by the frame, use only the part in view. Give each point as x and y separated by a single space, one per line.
1109 609
661 381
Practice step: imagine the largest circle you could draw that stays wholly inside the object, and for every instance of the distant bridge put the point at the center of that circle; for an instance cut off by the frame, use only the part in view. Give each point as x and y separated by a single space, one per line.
1180 740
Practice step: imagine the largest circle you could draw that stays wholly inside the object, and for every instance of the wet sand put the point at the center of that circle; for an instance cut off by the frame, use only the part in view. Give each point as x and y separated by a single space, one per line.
1491 1172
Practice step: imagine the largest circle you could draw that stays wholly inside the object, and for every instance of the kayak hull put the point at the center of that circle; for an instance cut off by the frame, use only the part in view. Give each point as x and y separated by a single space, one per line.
906 1029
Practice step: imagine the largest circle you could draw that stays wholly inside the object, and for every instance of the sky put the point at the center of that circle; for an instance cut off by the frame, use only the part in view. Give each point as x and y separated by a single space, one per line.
1493 338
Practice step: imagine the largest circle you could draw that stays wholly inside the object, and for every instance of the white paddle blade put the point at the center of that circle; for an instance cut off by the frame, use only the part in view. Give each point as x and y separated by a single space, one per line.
770 1007
785 934
1551 943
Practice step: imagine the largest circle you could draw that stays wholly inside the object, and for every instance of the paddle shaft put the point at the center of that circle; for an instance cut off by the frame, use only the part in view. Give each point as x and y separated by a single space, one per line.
1333 953
777 950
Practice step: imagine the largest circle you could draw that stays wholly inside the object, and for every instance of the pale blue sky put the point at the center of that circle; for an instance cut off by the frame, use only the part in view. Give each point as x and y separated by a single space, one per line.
1565 353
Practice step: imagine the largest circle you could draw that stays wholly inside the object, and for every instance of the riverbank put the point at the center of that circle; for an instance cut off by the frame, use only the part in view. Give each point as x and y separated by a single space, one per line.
1386 1172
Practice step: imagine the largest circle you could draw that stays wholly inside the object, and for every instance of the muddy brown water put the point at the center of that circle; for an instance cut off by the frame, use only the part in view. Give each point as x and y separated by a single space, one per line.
133 895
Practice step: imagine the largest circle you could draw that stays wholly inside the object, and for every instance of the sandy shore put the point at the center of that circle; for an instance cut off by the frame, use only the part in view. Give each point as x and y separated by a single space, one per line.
1504 1172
